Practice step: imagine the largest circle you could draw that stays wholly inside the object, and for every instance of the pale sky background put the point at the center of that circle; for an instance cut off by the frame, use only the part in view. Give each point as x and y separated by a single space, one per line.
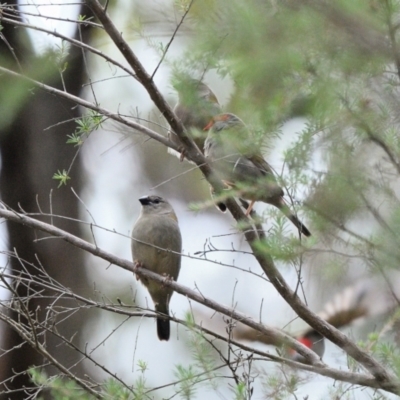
111 196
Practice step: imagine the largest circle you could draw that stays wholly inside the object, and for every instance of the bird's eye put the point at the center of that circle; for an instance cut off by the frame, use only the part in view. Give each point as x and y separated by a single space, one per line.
156 201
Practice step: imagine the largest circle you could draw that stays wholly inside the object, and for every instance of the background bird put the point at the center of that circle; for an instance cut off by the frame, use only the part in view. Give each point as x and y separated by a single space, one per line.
156 246
355 303
197 104
344 308
237 160
358 303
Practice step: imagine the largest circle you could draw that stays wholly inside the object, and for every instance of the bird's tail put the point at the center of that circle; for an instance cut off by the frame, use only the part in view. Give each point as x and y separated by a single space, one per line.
163 328
219 204
296 222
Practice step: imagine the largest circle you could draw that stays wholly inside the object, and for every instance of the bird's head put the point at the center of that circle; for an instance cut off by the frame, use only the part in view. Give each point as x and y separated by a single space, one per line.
224 121
156 205
190 90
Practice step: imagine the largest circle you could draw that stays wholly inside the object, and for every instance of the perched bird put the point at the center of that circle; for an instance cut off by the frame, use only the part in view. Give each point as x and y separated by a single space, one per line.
356 303
343 309
311 339
346 307
156 246
239 163
197 104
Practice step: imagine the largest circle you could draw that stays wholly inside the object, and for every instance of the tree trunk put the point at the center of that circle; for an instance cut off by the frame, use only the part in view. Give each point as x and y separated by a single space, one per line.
30 156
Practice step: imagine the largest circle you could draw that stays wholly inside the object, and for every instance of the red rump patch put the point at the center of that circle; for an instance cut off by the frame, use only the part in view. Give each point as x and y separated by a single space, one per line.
303 340
307 342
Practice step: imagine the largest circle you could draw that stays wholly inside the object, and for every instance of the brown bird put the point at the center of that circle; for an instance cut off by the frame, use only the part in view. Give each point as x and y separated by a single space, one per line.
156 246
197 104
343 309
240 165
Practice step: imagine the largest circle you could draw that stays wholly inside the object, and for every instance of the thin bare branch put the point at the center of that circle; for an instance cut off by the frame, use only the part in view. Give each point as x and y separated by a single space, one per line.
277 335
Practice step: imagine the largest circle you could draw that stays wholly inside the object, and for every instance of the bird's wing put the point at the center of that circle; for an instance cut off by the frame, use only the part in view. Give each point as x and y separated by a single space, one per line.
245 145
259 161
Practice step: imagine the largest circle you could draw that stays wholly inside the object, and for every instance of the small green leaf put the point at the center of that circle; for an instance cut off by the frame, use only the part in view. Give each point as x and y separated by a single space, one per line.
74 139
62 177
142 366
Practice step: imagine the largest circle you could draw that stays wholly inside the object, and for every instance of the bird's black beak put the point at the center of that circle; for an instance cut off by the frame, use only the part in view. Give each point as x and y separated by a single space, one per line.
144 201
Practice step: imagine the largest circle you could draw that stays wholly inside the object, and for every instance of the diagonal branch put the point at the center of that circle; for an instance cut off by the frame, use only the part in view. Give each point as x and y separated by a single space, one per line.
74 42
27 337
276 335
146 80
266 262
321 326
383 378
109 114
172 38
345 376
